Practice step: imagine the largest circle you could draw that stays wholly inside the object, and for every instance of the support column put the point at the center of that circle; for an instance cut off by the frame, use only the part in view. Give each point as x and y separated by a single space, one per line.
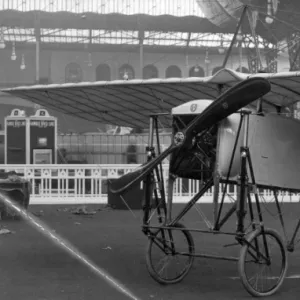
294 58
233 41
37 30
186 55
141 48
271 60
253 61
141 60
294 49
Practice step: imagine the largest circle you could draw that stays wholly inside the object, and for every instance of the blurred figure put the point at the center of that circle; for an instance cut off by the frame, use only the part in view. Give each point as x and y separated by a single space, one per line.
131 151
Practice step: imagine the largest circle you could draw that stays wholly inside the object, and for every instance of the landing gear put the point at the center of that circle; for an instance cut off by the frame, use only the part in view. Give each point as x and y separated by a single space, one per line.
263 263
170 254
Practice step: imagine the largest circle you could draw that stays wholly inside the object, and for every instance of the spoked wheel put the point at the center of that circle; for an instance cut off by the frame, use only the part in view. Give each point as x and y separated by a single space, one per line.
169 254
263 263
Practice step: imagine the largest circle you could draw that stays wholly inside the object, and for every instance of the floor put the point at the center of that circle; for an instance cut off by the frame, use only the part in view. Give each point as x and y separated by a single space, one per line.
33 267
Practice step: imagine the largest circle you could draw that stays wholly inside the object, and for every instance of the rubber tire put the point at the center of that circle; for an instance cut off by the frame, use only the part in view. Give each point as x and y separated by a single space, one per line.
152 271
241 263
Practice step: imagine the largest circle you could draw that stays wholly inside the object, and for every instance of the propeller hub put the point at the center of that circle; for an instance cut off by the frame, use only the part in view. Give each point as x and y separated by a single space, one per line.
179 138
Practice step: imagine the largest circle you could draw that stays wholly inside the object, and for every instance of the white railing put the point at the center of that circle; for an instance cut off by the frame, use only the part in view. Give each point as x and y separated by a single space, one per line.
74 184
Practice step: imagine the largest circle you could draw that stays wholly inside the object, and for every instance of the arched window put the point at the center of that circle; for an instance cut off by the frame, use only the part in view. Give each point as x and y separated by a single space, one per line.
73 73
126 72
244 70
196 71
103 72
150 71
216 69
173 71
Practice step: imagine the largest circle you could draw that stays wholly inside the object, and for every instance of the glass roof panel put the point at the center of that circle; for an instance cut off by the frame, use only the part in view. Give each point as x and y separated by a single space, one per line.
217 40
63 39
160 38
122 37
114 37
66 32
19 34
129 7
64 35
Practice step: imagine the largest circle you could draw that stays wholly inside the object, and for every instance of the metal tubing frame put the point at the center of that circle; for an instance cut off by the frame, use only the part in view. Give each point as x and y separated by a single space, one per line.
149 181
218 222
149 178
243 180
172 248
239 206
192 202
245 151
291 244
235 35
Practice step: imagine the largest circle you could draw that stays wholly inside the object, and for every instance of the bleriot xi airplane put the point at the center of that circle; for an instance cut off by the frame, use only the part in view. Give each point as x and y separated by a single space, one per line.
228 128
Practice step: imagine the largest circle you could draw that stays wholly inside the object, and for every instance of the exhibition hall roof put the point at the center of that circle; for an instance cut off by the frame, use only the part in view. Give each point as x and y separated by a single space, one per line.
156 24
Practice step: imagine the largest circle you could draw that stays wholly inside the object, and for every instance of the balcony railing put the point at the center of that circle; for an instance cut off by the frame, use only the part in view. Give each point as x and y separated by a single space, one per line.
83 184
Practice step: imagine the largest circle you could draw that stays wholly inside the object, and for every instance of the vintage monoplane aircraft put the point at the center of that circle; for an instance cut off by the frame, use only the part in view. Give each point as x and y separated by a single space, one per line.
228 128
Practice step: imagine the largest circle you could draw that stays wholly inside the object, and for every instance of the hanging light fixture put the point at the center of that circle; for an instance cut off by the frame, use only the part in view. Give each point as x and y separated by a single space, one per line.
239 36
269 19
206 61
2 41
221 49
13 52
125 77
196 69
23 66
90 63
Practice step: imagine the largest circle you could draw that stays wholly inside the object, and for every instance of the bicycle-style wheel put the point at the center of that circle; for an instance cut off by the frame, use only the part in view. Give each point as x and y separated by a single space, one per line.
263 263
169 254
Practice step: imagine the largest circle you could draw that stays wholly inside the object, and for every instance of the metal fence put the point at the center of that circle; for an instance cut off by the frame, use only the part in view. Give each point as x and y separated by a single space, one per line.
74 184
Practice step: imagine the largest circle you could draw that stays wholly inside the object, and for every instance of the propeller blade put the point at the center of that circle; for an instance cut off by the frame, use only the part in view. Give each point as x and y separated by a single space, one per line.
235 98
128 180
228 103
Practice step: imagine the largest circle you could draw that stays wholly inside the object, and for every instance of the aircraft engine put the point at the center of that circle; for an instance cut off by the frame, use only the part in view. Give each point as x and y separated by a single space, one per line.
197 162
208 154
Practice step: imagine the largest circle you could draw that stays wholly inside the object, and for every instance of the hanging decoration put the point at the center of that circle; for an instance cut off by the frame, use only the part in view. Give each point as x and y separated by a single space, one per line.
23 66
2 41
125 76
272 8
13 52
90 63
207 60
221 49
239 36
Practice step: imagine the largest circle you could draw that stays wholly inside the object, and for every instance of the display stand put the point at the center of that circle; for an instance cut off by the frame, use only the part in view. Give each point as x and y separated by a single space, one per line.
16 141
30 140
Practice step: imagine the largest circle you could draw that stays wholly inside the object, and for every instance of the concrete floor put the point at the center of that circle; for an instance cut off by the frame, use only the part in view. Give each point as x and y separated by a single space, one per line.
34 268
